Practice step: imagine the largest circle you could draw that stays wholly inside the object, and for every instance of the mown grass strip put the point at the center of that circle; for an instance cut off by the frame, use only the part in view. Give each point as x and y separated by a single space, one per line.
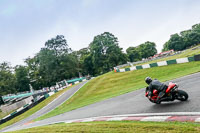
114 84
117 127
186 53
34 109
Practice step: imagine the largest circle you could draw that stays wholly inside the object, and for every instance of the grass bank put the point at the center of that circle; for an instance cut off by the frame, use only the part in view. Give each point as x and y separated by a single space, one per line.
34 109
2 114
187 53
118 127
114 84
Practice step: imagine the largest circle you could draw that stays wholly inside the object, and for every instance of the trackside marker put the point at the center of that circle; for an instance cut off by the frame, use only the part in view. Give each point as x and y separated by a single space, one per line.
134 118
155 118
183 118
116 118
88 120
102 119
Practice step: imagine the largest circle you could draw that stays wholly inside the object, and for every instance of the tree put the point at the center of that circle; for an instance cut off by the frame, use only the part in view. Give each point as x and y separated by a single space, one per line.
133 54
33 72
52 63
176 43
147 49
105 53
7 79
196 28
165 46
22 80
81 55
58 44
185 40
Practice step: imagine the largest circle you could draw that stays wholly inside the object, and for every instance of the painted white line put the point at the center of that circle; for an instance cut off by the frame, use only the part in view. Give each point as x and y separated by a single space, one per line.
63 101
157 114
88 120
155 118
70 121
116 118
166 115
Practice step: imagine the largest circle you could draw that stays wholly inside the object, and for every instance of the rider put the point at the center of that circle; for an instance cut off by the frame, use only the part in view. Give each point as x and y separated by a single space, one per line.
155 84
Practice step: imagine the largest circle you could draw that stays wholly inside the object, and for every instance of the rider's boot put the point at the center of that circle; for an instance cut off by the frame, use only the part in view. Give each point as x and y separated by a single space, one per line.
160 97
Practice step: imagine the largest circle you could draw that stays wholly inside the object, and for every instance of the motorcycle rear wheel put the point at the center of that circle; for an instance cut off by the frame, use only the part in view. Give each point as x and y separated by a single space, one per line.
182 95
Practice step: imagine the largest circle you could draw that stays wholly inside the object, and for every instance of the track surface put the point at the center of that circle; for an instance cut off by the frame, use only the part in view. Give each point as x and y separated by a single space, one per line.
131 103
50 106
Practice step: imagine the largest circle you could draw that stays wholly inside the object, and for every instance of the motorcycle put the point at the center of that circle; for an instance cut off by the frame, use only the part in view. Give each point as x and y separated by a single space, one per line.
172 93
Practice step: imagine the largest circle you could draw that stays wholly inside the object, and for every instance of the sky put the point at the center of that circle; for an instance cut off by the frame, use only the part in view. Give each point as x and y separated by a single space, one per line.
25 25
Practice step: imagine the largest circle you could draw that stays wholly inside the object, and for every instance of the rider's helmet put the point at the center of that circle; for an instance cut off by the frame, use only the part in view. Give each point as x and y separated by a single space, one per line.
148 80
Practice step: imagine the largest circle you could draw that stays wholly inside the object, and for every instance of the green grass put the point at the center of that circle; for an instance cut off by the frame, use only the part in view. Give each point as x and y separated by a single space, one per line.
114 84
186 53
117 127
2 114
34 109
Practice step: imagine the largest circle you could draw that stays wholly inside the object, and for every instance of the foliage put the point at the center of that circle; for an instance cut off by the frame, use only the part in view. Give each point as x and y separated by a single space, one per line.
58 45
105 53
52 63
56 61
147 49
144 50
183 40
22 81
7 79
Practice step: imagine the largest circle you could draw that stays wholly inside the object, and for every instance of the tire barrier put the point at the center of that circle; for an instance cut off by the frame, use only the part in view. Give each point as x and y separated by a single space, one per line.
161 63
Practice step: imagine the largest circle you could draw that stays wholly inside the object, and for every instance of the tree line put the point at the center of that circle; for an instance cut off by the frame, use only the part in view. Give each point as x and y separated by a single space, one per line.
184 39
57 61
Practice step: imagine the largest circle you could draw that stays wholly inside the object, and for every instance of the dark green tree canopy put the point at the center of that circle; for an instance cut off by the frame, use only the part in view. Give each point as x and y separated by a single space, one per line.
22 79
7 79
147 49
105 53
58 44
134 54
183 40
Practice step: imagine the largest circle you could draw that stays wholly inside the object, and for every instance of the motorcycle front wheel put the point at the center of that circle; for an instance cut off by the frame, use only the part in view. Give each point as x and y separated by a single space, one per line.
182 95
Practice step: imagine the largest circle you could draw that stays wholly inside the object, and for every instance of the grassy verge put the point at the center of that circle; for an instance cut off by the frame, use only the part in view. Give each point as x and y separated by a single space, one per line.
118 127
34 109
2 114
186 53
114 84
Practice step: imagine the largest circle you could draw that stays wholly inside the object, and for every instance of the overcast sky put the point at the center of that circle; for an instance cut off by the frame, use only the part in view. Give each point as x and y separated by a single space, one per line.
25 25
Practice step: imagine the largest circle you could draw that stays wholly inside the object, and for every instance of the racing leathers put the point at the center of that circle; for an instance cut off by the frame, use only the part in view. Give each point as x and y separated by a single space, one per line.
160 87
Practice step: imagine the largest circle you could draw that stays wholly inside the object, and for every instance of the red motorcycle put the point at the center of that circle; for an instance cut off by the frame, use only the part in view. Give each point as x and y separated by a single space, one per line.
171 94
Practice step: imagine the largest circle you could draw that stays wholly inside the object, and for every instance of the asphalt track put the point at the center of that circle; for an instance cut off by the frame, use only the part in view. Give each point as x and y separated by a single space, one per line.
55 103
130 103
